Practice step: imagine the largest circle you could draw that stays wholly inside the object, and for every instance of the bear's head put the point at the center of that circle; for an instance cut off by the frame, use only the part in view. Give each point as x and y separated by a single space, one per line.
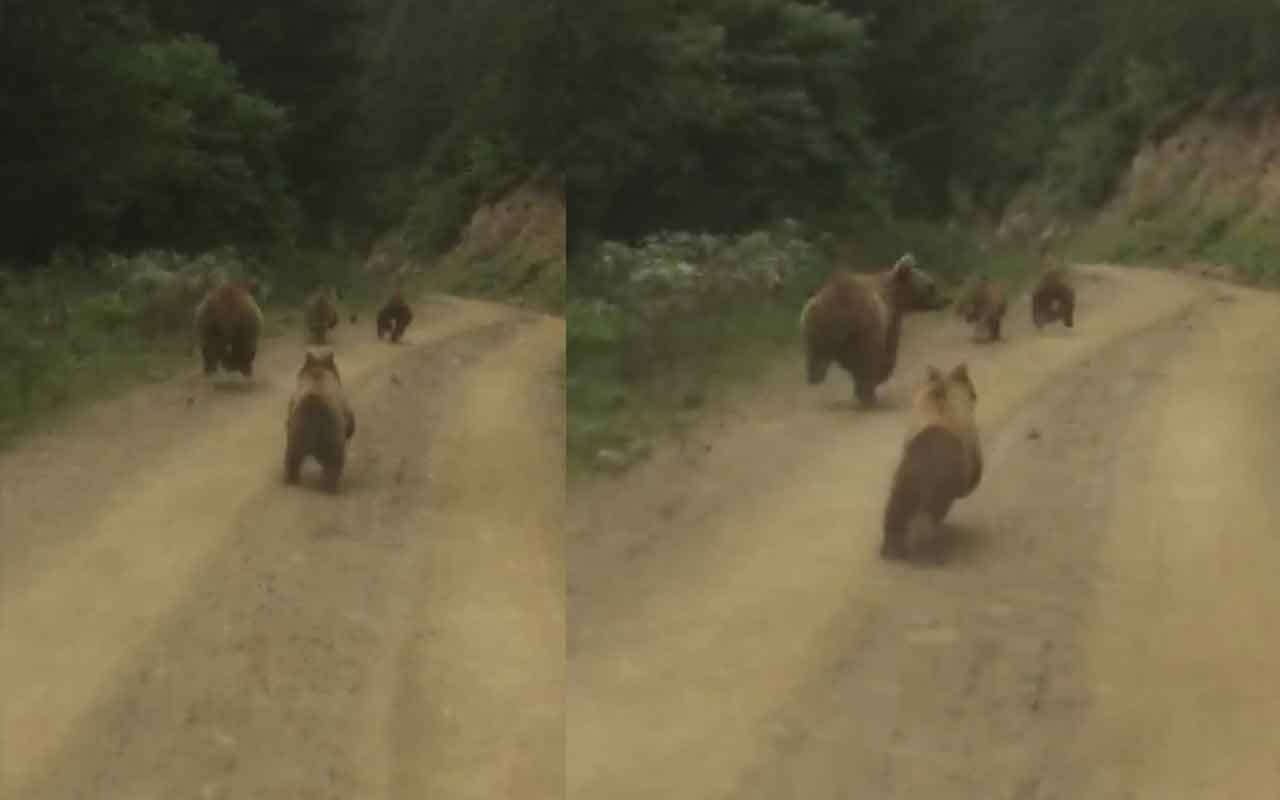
913 289
977 297
948 397
317 365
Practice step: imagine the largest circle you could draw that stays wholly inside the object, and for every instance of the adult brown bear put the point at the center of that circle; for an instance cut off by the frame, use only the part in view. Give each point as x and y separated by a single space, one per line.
855 321
983 303
228 323
320 422
1053 298
394 317
321 313
942 459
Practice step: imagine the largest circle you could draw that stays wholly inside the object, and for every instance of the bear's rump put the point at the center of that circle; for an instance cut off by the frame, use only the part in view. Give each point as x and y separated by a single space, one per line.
317 427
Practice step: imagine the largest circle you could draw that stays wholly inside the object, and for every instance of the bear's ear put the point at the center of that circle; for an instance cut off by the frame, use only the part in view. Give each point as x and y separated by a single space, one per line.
932 374
960 372
327 359
901 271
938 391
309 360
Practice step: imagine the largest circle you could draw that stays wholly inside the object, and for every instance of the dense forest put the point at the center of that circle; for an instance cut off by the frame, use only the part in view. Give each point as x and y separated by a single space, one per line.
134 123
728 154
726 114
152 149
188 125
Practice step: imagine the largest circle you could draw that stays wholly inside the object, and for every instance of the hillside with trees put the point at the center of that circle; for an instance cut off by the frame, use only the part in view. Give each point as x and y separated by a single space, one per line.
301 143
850 131
152 148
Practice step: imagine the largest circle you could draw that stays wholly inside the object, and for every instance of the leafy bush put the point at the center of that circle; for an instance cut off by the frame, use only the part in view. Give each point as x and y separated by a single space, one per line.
128 140
660 321
83 325
723 119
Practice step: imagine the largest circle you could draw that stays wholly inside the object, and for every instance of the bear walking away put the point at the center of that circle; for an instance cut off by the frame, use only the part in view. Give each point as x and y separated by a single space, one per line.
1053 298
855 321
394 317
983 303
321 313
942 459
228 323
320 422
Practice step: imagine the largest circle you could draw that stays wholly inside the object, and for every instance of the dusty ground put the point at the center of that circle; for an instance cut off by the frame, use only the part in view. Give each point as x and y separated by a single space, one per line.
1101 623
176 623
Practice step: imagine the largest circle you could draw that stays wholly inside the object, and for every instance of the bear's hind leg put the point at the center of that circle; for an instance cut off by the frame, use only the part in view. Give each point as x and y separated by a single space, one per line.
293 456
210 353
898 514
816 366
938 510
864 391
244 360
333 471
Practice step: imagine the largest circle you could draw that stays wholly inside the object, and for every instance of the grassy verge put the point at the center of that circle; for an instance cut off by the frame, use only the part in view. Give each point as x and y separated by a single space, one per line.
504 244
658 331
1213 234
538 284
84 328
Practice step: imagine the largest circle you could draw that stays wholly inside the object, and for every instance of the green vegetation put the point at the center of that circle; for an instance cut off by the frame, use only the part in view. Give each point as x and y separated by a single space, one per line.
679 318
86 327
374 130
880 126
156 139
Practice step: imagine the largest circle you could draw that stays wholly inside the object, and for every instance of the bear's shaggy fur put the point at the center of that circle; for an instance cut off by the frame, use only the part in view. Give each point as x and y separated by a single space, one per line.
983 303
321 313
1053 298
942 459
320 422
228 323
855 321
394 317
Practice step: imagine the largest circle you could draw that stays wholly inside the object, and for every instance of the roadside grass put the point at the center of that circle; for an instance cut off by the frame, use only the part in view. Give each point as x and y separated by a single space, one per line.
66 339
1223 233
647 359
85 329
502 278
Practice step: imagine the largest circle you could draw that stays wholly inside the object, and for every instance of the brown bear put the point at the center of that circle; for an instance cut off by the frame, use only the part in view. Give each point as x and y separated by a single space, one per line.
394 317
982 303
855 321
1053 298
320 422
320 313
228 323
942 459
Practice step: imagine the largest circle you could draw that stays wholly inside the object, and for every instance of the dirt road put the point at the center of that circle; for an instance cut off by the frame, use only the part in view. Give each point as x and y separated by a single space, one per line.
176 623
1104 621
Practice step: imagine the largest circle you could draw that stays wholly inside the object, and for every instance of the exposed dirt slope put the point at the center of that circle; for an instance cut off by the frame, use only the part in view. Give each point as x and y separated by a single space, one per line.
1099 624
175 622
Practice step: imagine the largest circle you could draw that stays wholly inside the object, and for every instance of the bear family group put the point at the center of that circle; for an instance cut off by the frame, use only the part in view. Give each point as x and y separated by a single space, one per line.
855 321
320 422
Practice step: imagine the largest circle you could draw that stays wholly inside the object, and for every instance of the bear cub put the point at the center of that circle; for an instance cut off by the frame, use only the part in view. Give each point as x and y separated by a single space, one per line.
320 422
942 459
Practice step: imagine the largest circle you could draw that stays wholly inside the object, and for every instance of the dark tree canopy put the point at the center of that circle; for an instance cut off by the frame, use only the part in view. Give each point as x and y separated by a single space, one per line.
188 124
